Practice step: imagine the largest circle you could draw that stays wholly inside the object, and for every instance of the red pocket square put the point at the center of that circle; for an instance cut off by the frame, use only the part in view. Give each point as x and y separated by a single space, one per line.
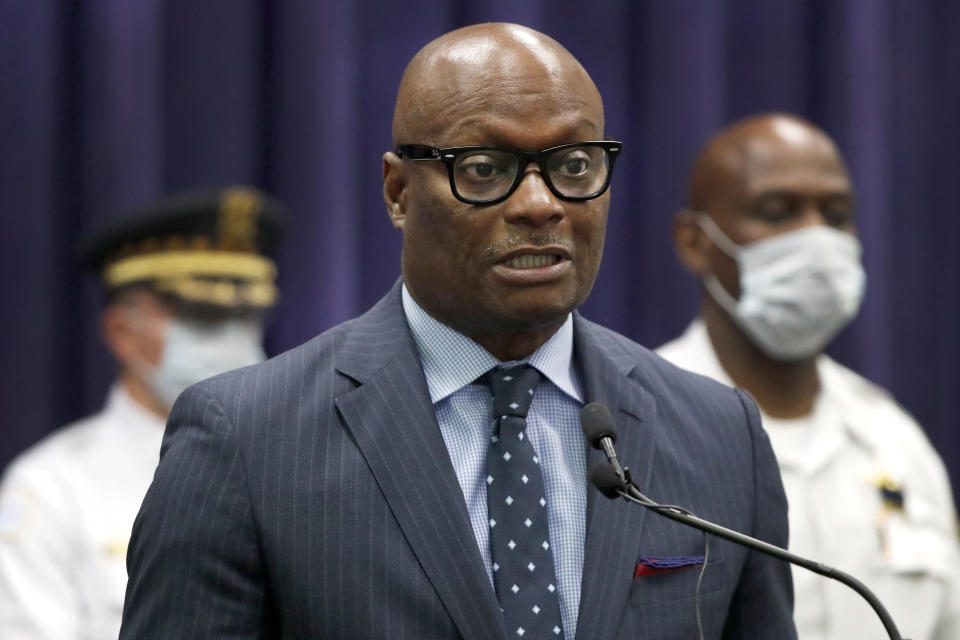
664 564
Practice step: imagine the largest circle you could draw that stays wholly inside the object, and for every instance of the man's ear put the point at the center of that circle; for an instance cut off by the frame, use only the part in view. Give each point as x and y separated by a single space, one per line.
690 242
394 188
118 335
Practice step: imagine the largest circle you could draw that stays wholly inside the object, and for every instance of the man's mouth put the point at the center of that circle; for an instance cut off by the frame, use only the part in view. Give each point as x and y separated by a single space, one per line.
534 265
529 261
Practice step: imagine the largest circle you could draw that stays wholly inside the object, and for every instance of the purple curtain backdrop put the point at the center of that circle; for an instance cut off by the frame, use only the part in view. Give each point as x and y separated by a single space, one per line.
106 104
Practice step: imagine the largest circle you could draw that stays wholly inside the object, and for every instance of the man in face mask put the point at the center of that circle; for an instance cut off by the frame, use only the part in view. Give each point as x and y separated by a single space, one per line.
186 282
770 231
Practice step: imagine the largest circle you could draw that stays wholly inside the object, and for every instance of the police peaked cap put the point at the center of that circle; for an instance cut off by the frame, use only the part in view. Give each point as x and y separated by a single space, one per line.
210 247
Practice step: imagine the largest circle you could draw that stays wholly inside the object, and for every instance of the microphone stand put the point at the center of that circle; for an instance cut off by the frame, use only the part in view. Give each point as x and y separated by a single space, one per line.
629 490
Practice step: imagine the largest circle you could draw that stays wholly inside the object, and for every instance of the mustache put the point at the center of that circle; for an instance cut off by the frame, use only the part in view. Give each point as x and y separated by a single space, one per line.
499 247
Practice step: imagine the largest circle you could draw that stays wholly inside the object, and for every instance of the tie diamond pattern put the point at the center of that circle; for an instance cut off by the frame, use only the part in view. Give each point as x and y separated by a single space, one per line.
523 574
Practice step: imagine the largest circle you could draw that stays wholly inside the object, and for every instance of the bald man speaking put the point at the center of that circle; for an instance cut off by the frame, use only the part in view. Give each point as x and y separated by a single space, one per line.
420 471
770 231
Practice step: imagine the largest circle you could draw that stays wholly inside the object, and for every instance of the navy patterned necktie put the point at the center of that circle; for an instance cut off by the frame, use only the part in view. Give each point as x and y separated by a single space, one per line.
523 574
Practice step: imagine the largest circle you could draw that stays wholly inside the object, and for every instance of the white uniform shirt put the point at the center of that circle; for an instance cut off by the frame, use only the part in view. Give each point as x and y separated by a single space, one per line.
832 463
66 509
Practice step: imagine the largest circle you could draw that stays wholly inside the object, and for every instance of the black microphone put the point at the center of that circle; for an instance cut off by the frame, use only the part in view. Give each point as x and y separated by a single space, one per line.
612 481
604 477
597 425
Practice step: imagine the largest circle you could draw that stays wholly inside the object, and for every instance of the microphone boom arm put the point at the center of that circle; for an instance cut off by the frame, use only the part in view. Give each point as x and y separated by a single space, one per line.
613 480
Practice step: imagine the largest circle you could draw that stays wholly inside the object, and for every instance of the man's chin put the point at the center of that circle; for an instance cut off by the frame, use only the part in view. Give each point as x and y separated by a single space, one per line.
538 314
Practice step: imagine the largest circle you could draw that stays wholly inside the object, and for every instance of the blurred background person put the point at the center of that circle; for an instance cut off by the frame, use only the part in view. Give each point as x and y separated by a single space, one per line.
186 283
770 231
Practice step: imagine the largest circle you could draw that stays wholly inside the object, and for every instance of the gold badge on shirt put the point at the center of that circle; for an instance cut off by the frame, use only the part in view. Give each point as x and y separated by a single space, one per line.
892 502
891 492
117 547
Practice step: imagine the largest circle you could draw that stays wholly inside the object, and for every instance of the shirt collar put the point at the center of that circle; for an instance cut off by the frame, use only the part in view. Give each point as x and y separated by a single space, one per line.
830 401
711 362
451 360
131 414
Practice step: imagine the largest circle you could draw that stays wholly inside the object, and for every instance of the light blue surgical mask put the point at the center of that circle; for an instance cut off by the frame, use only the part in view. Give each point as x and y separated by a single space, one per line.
194 351
797 289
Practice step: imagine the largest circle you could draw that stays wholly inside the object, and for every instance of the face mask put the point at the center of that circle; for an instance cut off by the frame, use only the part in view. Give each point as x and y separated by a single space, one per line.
195 351
797 289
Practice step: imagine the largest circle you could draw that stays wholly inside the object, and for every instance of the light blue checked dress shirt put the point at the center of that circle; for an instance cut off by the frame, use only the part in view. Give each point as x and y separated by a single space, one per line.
452 363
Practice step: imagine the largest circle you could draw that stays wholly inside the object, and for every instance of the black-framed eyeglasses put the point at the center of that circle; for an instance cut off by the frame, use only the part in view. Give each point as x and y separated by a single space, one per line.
488 175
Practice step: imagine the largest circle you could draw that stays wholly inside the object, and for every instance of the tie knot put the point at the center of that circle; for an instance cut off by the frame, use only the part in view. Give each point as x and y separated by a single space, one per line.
513 390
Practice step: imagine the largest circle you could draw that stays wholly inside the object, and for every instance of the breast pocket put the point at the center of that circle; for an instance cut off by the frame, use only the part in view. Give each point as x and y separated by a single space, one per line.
677 584
913 579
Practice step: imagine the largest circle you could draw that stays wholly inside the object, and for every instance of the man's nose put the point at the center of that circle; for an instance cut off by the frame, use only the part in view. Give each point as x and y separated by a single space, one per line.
533 202
811 215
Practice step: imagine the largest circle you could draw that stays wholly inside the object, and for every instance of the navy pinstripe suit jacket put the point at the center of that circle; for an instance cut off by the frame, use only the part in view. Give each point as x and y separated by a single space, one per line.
312 496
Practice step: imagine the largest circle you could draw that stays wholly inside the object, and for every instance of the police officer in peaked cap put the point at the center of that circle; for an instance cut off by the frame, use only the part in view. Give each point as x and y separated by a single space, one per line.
186 282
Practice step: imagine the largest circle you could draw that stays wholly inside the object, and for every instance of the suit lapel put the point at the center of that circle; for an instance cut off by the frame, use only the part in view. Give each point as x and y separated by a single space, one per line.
614 527
393 422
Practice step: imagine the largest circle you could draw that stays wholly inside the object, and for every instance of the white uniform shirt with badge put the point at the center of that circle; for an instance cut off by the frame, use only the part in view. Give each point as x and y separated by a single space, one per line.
67 506
835 465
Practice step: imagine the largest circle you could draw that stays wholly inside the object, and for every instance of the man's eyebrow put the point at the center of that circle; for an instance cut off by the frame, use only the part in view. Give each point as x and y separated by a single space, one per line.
785 192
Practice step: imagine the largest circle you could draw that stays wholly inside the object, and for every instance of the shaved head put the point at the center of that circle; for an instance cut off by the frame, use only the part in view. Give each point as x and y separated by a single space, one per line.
506 273
486 67
735 150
